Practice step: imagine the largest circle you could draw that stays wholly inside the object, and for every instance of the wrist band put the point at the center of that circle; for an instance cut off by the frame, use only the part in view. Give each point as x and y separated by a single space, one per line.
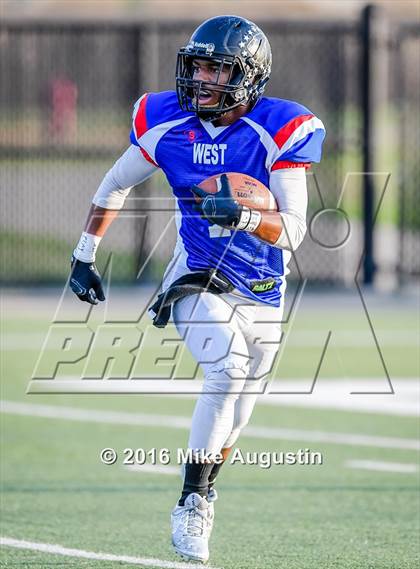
244 218
249 220
254 221
86 248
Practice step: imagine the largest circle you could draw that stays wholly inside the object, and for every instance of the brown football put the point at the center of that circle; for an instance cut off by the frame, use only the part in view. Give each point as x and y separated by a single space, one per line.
245 189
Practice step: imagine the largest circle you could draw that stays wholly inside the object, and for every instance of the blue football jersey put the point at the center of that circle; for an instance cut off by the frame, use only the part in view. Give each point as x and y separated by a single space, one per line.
275 134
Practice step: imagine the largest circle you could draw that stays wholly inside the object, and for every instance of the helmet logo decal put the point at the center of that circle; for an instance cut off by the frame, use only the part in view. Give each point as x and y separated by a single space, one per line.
239 94
209 47
253 46
250 46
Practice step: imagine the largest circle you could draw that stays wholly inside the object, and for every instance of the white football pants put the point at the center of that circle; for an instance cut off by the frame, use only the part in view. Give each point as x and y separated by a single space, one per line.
235 341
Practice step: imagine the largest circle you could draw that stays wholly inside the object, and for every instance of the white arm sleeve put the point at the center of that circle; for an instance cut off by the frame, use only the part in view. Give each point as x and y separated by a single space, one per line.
130 169
289 188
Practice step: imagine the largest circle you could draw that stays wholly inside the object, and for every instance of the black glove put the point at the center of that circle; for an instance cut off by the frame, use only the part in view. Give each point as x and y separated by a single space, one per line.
85 281
220 208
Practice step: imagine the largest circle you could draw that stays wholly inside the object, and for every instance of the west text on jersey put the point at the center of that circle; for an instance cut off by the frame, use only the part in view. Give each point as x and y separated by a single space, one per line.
209 153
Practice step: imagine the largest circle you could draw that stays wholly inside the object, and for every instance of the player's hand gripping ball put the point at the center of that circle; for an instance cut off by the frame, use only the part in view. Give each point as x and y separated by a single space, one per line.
85 281
222 198
220 208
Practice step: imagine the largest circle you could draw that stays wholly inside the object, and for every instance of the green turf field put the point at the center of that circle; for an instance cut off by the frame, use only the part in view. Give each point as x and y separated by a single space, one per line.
56 491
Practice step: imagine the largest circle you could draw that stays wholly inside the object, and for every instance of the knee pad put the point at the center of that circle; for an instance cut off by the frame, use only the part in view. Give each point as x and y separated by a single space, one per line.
228 373
224 382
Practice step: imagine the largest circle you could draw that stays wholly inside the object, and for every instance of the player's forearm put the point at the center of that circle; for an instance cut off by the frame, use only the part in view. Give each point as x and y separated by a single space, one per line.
270 227
287 227
99 219
282 230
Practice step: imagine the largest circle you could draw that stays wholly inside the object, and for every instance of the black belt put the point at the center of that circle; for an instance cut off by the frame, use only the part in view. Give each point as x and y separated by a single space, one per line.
193 283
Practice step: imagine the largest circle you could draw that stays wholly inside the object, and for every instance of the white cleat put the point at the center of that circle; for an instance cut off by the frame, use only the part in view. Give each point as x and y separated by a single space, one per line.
211 498
191 529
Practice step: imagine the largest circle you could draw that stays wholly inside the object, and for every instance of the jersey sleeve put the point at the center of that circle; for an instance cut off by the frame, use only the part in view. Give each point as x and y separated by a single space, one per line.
299 142
140 126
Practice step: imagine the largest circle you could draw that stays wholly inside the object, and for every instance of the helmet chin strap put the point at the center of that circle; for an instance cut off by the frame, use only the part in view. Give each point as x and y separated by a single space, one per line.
216 105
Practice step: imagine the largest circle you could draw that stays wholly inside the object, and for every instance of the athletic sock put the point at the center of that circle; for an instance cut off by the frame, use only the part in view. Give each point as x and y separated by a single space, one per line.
196 479
213 474
217 466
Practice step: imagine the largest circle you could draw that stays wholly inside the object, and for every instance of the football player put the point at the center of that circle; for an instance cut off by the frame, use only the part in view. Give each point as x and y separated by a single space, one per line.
225 285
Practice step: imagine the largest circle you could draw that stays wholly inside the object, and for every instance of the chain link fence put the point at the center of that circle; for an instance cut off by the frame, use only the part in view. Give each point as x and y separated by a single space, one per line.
66 96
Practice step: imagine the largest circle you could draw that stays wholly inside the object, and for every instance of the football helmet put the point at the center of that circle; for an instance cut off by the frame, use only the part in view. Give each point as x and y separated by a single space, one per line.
229 42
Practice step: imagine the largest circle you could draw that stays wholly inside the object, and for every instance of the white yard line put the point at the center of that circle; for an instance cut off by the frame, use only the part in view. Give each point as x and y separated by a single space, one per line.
328 437
303 339
403 467
356 395
373 393
94 416
80 553
178 422
154 469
